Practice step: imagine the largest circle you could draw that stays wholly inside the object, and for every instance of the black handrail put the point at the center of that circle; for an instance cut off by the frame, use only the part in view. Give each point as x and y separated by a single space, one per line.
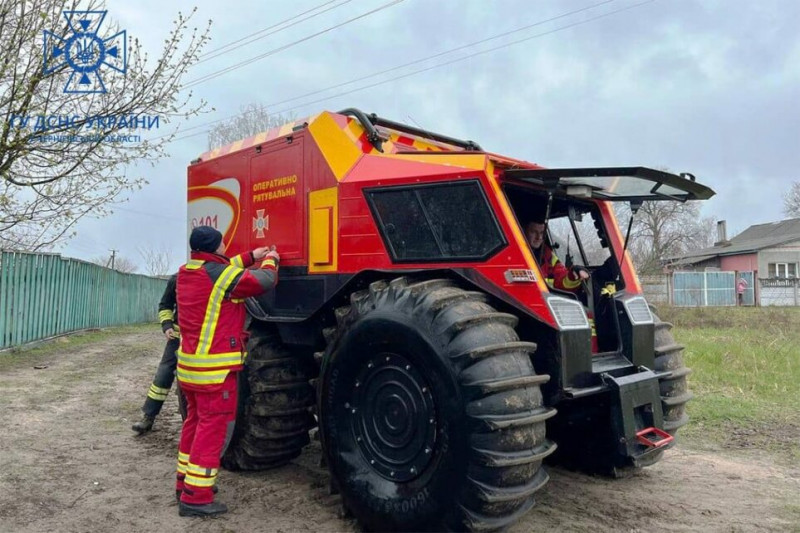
370 121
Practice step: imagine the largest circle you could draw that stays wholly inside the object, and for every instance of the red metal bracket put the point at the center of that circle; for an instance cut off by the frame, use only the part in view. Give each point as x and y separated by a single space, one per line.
654 437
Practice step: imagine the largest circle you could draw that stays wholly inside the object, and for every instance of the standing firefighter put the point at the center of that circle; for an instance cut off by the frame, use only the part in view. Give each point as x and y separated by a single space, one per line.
211 291
165 373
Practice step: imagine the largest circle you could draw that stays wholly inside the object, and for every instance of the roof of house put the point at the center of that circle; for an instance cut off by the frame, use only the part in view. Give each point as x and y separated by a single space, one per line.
752 239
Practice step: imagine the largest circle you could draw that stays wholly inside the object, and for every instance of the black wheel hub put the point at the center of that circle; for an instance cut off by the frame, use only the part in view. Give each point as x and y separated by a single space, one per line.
393 417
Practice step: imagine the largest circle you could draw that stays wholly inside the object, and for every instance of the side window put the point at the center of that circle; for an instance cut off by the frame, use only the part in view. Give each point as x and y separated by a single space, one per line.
565 239
436 222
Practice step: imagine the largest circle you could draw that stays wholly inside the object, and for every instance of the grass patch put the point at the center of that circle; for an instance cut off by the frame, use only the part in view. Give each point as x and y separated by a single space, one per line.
31 354
746 376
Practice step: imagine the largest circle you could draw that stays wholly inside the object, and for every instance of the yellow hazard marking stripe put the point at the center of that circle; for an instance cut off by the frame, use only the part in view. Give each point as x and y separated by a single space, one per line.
237 261
194 264
166 314
339 151
212 309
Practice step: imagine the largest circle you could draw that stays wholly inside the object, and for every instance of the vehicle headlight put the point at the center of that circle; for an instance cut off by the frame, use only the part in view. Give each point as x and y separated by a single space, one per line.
638 310
568 313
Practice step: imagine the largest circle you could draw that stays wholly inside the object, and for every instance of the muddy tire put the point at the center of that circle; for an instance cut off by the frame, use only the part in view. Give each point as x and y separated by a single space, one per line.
672 384
273 418
431 413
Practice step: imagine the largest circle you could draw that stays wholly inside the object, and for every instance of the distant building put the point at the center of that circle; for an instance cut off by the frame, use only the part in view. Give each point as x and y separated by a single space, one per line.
770 250
768 253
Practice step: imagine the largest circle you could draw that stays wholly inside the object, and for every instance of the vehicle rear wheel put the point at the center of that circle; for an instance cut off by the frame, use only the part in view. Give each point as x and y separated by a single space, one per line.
273 420
673 387
431 414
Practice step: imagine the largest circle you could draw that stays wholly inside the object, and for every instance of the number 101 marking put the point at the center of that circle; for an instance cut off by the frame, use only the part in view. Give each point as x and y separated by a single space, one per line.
205 221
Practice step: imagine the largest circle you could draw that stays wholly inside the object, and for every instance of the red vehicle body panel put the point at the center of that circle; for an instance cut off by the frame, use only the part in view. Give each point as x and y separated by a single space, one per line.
256 192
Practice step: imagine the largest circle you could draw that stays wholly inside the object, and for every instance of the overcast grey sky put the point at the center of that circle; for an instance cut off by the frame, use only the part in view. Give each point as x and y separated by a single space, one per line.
708 87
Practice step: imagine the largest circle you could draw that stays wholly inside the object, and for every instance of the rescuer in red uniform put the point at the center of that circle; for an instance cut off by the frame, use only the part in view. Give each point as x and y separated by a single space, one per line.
211 292
556 274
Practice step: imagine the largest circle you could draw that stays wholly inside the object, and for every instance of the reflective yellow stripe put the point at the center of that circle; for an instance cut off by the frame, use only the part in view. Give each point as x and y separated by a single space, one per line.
237 261
166 314
209 377
194 264
569 284
210 360
157 393
269 262
212 310
200 481
183 461
198 470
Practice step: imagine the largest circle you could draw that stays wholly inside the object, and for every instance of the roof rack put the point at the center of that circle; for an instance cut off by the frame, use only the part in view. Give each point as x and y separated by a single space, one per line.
370 121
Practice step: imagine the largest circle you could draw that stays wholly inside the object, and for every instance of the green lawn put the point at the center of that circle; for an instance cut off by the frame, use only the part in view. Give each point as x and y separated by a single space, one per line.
746 376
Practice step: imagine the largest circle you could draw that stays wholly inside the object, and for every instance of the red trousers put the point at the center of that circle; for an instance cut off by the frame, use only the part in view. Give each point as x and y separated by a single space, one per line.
210 417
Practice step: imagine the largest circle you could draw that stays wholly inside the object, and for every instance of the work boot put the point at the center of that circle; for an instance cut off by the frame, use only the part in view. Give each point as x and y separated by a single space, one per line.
209 509
144 425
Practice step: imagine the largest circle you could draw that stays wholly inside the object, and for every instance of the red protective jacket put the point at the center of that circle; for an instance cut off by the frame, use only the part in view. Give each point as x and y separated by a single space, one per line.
555 273
211 291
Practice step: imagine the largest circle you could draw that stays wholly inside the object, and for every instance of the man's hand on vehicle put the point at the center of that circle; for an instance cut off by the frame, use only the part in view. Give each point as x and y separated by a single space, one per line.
581 271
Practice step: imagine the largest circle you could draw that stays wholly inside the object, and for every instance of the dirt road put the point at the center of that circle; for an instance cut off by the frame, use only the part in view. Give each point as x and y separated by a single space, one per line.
69 462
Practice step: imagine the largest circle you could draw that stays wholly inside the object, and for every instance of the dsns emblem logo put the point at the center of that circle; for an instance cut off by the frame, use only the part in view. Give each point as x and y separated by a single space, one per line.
84 52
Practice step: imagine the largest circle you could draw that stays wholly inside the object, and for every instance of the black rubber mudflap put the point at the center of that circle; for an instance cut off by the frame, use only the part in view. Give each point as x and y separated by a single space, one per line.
438 365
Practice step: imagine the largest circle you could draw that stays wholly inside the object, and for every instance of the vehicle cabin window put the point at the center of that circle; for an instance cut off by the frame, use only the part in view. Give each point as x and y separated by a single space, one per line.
566 243
437 222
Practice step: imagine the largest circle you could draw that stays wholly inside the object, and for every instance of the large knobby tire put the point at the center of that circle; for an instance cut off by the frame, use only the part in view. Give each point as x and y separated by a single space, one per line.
672 384
431 413
273 416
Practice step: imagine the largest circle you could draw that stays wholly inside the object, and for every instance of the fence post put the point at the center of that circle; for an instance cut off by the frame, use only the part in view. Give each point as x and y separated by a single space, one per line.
705 289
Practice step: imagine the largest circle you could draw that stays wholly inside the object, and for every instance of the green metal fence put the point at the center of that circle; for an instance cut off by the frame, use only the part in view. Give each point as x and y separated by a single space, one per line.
42 295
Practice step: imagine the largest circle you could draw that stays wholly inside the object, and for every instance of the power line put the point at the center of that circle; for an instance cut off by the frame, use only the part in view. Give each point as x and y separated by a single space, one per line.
457 60
230 46
419 71
274 51
468 45
421 60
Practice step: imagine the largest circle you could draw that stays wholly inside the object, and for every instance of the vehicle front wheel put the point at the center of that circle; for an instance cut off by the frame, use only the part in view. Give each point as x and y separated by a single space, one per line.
431 413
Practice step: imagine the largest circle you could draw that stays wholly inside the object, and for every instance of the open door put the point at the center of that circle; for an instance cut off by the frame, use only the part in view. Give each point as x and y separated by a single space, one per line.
616 183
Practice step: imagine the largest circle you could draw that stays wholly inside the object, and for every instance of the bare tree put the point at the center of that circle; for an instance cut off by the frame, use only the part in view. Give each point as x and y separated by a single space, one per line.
63 150
791 201
252 120
663 229
157 262
120 263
